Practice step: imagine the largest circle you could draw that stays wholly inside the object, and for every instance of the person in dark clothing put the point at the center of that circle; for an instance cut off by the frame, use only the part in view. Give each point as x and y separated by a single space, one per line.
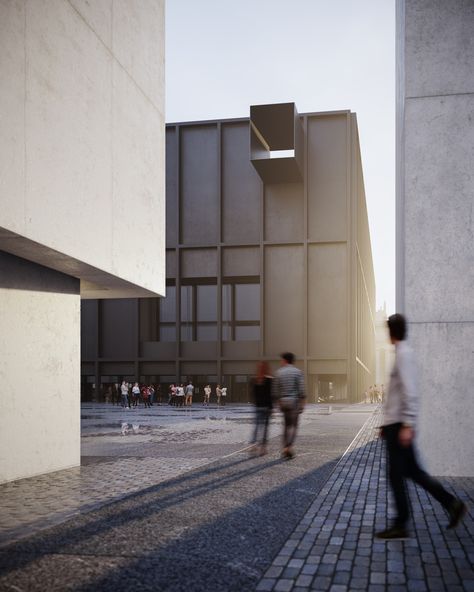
262 394
398 431
289 391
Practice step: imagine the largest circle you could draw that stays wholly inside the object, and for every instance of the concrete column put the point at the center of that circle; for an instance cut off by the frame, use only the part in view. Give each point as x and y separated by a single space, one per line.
435 227
39 369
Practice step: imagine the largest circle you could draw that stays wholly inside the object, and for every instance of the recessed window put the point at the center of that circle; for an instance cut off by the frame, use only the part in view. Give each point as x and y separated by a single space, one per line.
241 311
199 311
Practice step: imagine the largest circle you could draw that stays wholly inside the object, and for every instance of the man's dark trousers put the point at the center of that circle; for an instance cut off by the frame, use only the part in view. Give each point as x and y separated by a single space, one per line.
402 464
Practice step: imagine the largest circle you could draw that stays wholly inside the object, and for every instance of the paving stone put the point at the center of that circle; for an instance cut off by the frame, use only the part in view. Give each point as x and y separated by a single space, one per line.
321 583
284 585
359 583
290 572
396 578
266 585
304 580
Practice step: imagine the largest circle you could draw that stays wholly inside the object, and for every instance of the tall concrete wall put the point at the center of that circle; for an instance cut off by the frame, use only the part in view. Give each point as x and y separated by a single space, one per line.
82 201
82 140
39 353
435 227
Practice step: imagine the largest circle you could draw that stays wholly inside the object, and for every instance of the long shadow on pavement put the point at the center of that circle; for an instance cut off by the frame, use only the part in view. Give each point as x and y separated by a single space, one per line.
218 533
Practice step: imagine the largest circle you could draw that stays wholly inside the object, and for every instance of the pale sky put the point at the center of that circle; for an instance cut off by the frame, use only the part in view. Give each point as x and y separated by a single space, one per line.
224 55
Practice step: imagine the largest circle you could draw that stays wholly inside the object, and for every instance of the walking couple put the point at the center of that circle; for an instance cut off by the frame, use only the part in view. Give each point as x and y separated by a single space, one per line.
287 389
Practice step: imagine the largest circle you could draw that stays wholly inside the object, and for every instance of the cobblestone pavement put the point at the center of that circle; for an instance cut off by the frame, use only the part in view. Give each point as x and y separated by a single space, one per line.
123 452
333 547
193 512
215 527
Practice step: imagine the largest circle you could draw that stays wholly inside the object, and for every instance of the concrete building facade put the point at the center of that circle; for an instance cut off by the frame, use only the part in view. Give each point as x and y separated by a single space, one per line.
82 159
268 250
435 227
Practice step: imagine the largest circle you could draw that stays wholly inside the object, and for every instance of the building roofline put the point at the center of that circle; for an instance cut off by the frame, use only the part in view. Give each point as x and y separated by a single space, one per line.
246 119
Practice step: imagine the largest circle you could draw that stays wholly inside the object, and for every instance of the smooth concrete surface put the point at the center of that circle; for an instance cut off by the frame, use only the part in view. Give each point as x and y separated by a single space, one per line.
445 359
327 179
240 183
39 369
241 261
82 145
199 186
439 58
284 212
439 224
284 269
98 15
327 308
12 118
435 226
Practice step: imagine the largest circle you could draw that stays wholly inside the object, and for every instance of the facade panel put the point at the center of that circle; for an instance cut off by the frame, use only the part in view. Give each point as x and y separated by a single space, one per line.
327 305
327 178
241 261
118 329
284 212
284 300
241 187
172 237
89 329
199 197
197 263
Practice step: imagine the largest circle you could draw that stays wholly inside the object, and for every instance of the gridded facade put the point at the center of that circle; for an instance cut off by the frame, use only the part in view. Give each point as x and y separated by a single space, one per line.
254 268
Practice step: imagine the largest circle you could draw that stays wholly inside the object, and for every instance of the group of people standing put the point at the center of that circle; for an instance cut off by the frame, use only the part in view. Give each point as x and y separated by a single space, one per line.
375 394
182 396
132 395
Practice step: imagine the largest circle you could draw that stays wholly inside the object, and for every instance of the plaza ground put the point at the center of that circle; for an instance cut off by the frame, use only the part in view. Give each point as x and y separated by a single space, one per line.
169 499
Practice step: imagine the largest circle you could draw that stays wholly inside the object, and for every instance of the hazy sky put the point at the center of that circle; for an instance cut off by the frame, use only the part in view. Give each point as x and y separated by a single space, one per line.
224 55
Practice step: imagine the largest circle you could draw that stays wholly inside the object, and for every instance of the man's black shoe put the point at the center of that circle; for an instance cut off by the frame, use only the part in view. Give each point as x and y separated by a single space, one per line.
394 532
457 511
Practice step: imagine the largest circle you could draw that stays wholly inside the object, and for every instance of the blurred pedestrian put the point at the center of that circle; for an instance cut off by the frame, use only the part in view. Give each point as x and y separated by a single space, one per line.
189 391
172 395
151 390
136 394
158 394
180 396
218 394
262 395
288 390
223 394
207 395
145 392
124 395
398 431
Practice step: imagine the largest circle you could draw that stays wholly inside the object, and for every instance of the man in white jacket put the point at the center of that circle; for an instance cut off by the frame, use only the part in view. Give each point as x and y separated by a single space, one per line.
400 413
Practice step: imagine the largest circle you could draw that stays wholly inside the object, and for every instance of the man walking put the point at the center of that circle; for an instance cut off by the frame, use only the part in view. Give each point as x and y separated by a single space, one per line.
400 412
288 390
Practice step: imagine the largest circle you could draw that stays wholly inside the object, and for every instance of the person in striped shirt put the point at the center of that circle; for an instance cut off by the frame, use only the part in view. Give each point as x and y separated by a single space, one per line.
288 390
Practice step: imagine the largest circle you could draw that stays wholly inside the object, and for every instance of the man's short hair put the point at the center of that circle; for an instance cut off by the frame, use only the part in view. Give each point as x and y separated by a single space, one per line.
397 327
288 357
